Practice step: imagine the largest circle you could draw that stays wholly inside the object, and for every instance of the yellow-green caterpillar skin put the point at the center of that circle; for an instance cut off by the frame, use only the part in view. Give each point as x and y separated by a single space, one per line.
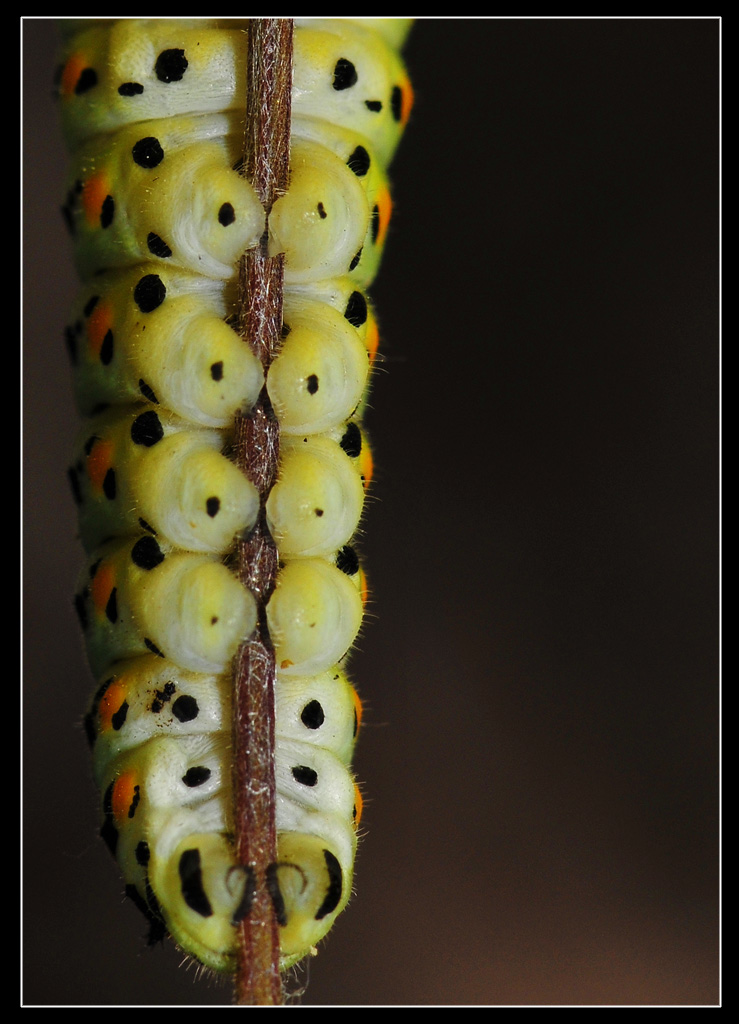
153 114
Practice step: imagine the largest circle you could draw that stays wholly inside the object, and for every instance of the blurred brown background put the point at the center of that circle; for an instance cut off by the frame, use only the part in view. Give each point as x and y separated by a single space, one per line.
540 758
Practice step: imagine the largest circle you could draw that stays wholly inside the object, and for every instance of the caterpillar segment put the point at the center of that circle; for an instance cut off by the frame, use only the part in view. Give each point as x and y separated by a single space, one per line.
152 111
160 737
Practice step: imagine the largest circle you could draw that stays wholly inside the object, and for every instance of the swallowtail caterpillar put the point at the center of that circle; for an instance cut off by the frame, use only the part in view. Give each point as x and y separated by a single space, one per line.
161 215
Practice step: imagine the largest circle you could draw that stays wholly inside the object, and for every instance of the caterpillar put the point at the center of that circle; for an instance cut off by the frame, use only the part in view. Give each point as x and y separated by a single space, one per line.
153 115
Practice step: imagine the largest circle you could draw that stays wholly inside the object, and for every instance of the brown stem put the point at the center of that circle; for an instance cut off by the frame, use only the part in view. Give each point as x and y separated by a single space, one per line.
266 165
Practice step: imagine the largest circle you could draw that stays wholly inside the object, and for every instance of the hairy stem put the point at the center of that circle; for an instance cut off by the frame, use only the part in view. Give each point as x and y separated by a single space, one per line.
266 165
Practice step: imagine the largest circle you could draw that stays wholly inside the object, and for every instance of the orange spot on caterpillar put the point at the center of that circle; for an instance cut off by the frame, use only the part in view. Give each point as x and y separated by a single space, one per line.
286 663
111 702
71 74
366 465
123 796
358 710
101 587
372 340
363 586
407 105
385 208
358 805
99 323
99 462
94 193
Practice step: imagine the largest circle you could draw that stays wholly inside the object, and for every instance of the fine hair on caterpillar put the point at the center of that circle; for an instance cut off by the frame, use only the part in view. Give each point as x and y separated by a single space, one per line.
160 216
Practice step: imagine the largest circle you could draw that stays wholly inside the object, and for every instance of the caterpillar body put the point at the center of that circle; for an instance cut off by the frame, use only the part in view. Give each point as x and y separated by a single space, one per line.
159 214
